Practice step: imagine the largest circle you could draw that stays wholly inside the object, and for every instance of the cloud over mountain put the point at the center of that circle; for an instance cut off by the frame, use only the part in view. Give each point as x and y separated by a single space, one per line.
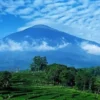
91 48
11 45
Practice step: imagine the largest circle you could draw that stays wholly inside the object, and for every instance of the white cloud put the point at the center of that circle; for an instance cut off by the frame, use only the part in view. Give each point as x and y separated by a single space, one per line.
38 3
48 1
11 45
44 47
10 6
35 22
91 48
25 11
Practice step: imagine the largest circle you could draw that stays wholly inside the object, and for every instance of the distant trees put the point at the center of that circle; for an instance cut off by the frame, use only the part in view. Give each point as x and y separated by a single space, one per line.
95 71
60 74
68 76
57 74
83 79
39 63
53 73
97 85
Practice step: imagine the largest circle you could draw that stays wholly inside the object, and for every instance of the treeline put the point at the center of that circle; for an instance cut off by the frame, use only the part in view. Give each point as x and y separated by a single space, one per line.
57 74
85 79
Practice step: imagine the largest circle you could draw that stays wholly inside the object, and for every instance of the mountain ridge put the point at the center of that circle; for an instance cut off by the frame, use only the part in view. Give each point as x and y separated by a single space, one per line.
42 26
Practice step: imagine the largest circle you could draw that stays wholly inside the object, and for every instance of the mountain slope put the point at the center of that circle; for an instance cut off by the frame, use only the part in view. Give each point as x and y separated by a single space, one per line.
19 48
42 32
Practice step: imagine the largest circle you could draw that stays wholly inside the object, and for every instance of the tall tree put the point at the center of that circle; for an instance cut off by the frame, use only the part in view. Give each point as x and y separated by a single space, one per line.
97 85
84 80
39 63
53 73
5 79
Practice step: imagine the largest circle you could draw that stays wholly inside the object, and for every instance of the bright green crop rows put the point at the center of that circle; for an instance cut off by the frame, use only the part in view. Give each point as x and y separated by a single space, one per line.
48 93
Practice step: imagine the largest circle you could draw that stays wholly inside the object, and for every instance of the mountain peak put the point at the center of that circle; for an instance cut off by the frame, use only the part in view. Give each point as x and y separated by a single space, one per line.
41 26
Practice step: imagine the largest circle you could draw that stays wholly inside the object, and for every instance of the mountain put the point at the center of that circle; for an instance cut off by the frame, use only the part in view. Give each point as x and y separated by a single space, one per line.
18 49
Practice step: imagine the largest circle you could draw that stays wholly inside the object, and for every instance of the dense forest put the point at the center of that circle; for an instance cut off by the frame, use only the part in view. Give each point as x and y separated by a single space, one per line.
58 74
42 73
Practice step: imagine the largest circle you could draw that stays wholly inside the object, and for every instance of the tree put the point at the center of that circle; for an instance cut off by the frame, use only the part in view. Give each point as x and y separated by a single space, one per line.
53 73
5 79
95 71
39 63
43 63
67 76
97 85
63 77
84 80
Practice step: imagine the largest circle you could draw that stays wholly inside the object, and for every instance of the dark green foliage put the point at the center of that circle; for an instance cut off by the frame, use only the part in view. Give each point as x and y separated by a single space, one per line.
5 80
53 73
67 78
95 71
39 63
82 80
97 85
57 74
61 74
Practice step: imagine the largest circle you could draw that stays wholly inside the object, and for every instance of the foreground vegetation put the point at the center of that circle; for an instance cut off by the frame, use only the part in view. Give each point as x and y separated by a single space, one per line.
50 82
47 93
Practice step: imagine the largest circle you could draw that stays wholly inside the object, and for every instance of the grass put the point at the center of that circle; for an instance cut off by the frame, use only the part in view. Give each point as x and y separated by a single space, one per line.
48 93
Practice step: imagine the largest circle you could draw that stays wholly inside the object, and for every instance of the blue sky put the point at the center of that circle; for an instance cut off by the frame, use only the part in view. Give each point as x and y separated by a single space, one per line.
77 17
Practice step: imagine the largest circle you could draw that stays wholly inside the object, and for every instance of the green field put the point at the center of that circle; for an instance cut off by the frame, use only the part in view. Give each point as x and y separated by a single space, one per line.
47 93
